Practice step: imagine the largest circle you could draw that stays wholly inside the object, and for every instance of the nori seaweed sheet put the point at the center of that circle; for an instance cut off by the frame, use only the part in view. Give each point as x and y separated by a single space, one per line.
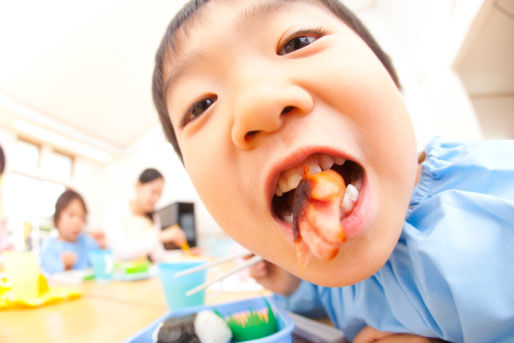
178 330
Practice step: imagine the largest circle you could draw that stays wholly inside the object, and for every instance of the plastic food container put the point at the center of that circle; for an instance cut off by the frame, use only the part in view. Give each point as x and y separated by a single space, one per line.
283 335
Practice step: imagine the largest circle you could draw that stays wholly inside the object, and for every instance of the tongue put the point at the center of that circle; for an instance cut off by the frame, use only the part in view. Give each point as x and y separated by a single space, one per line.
316 216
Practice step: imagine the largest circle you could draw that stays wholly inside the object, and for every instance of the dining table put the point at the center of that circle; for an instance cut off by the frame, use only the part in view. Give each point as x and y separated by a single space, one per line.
107 311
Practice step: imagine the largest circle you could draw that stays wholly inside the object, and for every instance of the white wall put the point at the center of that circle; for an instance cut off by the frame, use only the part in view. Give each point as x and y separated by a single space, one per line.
87 180
496 115
422 38
7 140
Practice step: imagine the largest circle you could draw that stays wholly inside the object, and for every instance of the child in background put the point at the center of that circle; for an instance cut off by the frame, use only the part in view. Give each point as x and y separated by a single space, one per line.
71 248
249 92
5 245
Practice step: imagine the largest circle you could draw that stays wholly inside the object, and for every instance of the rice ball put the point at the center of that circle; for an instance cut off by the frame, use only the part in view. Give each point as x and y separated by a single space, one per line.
211 328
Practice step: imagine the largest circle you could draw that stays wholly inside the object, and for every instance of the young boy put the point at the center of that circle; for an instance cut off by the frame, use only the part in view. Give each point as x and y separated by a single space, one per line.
250 92
71 249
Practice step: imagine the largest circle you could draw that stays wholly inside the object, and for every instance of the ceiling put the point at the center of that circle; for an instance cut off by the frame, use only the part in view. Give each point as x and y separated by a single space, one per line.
85 65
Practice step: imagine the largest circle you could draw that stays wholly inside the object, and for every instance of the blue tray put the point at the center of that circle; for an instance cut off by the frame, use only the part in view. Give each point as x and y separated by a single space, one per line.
285 323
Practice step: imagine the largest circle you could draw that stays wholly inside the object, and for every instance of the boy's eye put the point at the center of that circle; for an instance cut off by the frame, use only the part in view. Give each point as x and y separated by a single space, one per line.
300 40
296 43
197 109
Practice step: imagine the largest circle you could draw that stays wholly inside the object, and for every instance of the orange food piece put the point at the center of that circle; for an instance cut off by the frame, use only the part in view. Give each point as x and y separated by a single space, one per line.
317 225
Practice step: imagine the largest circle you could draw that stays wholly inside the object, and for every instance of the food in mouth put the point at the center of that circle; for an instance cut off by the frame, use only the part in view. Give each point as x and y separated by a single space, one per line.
317 203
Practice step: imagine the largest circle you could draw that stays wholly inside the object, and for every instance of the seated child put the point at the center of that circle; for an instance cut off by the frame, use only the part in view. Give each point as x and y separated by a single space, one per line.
5 245
71 248
251 92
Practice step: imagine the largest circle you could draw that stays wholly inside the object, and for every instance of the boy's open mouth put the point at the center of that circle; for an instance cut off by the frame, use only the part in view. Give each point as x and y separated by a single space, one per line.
289 180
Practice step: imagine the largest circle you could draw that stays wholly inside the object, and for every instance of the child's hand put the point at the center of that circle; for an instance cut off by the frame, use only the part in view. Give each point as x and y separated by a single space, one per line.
274 278
68 258
173 234
369 334
99 237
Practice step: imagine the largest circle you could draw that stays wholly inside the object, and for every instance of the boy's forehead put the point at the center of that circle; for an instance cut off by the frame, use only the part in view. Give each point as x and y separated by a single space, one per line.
246 11
235 14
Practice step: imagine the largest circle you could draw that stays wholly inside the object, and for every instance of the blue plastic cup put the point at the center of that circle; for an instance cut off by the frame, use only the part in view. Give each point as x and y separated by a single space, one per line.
103 263
175 288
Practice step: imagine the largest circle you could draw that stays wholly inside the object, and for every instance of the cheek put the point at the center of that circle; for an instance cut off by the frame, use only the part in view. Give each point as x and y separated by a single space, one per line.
147 197
226 195
209 160
64 223
372 107
215 181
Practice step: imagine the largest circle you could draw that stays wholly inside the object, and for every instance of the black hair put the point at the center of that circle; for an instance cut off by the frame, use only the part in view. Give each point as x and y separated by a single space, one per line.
64 200
168 44
2 161
149 175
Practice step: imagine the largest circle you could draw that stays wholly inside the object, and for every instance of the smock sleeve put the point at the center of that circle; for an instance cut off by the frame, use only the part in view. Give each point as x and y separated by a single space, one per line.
305 301
91 243
452 273
50 257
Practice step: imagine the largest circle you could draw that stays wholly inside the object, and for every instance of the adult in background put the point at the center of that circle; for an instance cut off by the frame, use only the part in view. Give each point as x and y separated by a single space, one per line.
134 230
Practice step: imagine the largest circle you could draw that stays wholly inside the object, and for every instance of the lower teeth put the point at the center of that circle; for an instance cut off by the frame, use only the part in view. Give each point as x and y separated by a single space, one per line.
350 199
287 217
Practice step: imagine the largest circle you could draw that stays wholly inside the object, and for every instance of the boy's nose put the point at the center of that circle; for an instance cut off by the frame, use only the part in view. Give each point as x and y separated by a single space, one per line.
260 109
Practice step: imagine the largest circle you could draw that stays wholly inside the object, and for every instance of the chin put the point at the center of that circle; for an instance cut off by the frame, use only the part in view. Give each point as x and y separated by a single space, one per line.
335 274
357 259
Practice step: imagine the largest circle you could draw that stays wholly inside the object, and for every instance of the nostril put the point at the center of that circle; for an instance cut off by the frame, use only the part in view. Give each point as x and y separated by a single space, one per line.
287 109
250 134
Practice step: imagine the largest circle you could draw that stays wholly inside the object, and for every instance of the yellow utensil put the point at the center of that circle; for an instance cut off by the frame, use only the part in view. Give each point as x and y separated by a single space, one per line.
185 248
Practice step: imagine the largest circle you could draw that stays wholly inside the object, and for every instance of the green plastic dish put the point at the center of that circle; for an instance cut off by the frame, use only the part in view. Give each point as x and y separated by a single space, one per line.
251 324
131 267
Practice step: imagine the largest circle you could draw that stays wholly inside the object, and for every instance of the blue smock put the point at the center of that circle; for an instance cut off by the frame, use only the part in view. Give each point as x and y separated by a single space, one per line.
50 256
451 274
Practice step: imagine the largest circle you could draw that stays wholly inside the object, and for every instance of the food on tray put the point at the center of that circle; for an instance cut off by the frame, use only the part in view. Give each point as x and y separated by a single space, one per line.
211 327
201 327
132 267
317 216
251 324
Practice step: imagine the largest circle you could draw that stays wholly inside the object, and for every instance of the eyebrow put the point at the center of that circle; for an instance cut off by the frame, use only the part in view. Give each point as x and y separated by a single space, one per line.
257 12
248 15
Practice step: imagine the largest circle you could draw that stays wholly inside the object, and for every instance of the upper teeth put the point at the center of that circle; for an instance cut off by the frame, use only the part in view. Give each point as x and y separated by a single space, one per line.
326 162
289 179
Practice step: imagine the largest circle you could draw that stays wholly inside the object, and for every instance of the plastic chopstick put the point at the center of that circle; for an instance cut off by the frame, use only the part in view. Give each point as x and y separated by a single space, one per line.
251 261
211 264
